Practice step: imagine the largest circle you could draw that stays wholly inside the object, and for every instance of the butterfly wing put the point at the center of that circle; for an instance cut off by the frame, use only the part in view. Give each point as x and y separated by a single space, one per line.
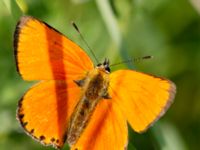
44 53
107 129
45 110
142 98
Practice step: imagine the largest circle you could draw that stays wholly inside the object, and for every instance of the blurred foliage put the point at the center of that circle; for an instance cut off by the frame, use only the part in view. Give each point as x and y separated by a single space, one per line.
118 30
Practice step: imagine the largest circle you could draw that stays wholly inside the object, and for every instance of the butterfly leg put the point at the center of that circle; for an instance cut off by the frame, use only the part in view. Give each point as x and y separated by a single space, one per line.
80 83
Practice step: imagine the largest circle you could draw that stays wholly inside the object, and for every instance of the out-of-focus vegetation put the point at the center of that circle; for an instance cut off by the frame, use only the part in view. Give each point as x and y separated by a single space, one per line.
118 30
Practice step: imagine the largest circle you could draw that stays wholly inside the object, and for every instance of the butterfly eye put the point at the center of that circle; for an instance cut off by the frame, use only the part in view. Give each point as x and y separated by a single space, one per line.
99 64
107 68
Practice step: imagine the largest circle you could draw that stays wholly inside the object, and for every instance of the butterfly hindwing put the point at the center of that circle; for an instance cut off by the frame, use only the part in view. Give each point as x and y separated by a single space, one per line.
107 129
45 110
142 98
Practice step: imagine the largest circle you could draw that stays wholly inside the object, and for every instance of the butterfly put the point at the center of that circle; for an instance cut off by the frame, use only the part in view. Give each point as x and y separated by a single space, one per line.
76 102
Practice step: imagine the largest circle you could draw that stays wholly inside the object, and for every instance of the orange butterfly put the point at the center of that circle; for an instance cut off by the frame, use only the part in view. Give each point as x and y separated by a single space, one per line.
88 107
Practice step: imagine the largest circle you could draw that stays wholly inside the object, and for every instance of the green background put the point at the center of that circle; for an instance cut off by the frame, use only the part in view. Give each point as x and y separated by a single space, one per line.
119 30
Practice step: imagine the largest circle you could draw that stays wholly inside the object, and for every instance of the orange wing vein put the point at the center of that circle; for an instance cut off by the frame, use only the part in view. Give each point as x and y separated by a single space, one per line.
142 98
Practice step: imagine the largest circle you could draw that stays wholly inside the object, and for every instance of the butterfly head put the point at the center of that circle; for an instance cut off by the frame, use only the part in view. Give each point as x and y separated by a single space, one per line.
105 65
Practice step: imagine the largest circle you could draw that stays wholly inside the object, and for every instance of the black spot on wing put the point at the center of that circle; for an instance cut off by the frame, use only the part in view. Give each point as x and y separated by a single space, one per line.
21 116
57 141
32 131
42 137
24 124
53 140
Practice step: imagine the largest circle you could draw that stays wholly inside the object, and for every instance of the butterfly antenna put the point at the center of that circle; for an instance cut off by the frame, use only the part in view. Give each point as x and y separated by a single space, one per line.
77 29
132 60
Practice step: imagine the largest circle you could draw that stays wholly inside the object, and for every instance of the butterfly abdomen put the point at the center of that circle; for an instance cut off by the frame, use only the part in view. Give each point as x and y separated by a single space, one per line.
94 88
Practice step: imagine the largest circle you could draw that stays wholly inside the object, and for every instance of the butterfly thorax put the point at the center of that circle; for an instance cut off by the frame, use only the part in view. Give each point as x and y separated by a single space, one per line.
94 88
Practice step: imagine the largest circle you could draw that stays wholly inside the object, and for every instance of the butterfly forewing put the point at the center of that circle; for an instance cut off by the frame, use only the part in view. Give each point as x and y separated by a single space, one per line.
43 53
142 98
